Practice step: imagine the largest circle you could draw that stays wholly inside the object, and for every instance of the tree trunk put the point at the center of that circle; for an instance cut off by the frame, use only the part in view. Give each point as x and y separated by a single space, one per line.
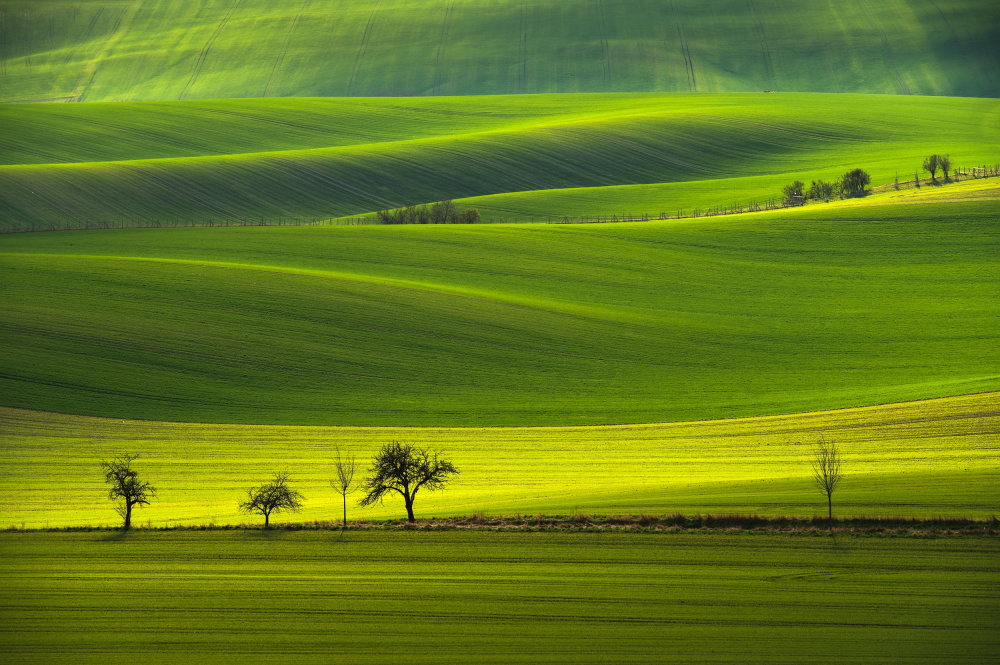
409 510
829 501
128 516
267 517
345 508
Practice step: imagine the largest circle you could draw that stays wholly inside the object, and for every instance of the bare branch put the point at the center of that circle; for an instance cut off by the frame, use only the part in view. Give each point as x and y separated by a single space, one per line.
827 473
126 488
274 496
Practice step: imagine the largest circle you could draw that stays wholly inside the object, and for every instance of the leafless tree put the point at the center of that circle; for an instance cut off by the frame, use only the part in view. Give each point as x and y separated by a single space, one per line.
826 466
344 482
403 469
126 488
274 496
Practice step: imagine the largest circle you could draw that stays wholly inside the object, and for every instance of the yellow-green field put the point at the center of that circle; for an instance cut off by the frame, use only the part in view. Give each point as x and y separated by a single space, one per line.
932 458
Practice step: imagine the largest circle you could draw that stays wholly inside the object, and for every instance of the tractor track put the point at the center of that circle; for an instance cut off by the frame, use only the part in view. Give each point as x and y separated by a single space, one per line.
764 48
442 46
890 55
522 53
685 51
284 48
360 57
605 48
207 47
78 91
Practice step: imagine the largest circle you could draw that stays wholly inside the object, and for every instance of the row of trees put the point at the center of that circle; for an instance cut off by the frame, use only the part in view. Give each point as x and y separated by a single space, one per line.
442 212
852 183
397 468
935 162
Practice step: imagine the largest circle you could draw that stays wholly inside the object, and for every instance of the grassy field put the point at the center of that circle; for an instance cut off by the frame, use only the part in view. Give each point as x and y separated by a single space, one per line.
82 50
919 459
309 158
309 597
824 307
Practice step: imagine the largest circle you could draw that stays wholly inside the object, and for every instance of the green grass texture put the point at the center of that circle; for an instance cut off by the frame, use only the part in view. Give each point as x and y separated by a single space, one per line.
454 597
917 459
794 311
84 50
178 162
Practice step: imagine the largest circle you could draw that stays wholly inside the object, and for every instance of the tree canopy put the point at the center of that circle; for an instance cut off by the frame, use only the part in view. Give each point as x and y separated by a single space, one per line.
404 469
274 496
126 488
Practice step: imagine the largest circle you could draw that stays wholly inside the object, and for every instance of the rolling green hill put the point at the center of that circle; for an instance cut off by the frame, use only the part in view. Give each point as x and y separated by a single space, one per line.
794 311
181 161
91 50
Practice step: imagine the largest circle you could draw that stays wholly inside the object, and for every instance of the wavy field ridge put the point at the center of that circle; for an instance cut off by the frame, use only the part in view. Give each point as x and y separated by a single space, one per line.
126 51
824 307
315 159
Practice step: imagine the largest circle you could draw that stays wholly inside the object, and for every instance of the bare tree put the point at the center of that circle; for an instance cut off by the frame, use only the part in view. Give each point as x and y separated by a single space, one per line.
344 482
274 496
126 488
403 469
826 465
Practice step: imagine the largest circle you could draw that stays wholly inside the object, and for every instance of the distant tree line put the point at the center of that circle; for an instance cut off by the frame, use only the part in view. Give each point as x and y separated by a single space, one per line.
852 183
442 212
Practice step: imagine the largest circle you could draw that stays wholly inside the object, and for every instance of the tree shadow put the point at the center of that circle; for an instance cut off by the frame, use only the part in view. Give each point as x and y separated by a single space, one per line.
116 536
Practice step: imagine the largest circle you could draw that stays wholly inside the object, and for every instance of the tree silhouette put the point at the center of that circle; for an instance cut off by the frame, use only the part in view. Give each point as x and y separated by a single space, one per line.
126 486
403 469
344 482
826 467
274 496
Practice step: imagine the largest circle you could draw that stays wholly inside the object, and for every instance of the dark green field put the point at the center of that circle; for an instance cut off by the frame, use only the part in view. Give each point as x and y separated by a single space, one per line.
123 51
482 597
237 161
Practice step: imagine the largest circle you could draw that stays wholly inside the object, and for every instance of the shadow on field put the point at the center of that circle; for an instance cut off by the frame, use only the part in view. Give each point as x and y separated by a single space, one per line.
119 536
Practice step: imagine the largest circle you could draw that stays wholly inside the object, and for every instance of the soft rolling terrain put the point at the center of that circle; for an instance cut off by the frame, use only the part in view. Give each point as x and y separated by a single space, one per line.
507 325
233 161
188 272
194 49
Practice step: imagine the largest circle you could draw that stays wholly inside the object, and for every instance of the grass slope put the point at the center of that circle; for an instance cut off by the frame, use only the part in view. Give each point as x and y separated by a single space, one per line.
71 164
123 51
496 598
488 325
918 459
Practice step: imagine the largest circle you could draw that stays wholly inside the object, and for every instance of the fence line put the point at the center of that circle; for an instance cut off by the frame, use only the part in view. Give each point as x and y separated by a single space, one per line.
958 175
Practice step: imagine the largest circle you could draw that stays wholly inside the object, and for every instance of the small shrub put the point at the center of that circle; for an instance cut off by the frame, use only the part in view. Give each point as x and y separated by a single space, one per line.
792 193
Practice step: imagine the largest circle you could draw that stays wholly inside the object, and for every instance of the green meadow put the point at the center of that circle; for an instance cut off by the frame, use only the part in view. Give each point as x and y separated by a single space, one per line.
83 50
231 161
936 458
799 310
482 597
